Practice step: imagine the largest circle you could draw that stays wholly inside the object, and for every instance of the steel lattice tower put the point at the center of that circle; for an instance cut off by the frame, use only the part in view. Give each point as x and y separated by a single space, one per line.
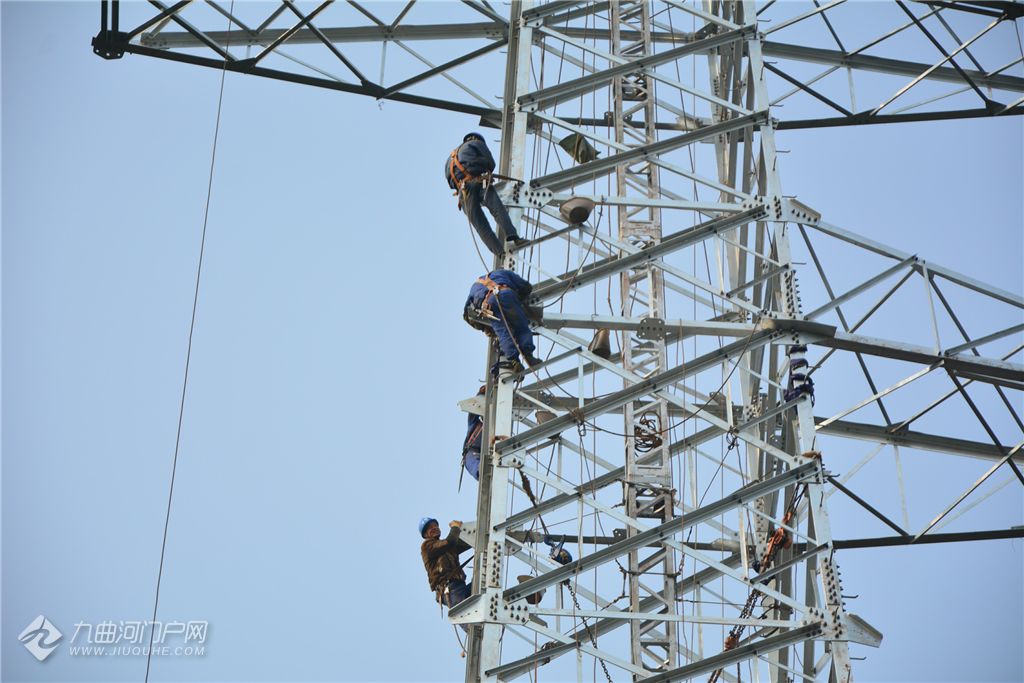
690 472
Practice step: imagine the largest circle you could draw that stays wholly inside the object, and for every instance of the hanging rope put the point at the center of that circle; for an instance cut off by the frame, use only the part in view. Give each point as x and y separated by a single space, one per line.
188 358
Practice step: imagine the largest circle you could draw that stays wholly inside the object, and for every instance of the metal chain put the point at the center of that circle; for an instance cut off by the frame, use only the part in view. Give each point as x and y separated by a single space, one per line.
586 625
779 539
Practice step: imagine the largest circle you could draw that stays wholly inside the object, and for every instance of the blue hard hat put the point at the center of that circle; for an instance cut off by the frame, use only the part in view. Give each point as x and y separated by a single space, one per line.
424 523
470 136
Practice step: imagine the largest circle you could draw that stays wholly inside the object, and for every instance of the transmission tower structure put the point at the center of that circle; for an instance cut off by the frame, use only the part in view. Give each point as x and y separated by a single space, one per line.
690 468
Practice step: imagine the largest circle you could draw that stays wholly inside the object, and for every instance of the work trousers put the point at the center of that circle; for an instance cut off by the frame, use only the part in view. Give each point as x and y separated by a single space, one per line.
457 592
510 324
474 197
473 464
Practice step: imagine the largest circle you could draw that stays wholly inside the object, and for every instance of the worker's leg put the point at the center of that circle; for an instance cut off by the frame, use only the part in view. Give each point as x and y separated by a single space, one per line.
457 592
511 325
506 230
472 196
473 464
516 320
506 342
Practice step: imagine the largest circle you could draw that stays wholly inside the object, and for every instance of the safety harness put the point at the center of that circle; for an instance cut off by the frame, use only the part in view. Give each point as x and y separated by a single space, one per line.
460 183
492 289
454 163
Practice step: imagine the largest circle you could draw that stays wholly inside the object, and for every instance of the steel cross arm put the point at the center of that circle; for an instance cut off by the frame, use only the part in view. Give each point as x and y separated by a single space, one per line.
174 9
738 654
245 66
661 532
199 35
686 328
864 119
550 8
867 284
941 271
911 439
304 20
888 66
601 269
963 7
560 180
974 343
656 616
641 388
346 34
959 537
985 367
444 67
546 97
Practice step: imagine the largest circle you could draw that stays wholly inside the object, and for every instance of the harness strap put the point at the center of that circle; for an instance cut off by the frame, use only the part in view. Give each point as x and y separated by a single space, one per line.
454 163
471 438
492 289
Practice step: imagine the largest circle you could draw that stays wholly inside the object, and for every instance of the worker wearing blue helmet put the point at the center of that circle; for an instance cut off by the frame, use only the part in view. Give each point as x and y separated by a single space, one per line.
468 171
441 560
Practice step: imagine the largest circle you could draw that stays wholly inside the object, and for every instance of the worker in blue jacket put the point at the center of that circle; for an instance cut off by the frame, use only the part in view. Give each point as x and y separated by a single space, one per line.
496 305
468 171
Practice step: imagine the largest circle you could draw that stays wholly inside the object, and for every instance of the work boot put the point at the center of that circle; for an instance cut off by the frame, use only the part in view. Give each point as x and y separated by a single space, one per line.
506 364
517 242
532 360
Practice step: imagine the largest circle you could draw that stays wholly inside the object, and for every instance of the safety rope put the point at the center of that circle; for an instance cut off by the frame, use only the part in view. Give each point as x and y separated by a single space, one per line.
188 355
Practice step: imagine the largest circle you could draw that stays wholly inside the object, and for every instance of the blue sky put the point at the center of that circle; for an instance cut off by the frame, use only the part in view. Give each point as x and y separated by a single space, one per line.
316 432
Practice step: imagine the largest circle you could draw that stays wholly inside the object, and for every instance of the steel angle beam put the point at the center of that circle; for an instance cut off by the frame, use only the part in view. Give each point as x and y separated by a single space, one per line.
888 66
961 537
910 117
977 365
911 439
599 270
738 654
348 34
560 180
662 531
686 328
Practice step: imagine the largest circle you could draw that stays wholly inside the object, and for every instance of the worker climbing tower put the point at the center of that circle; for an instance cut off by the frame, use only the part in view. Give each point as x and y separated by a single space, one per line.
658 508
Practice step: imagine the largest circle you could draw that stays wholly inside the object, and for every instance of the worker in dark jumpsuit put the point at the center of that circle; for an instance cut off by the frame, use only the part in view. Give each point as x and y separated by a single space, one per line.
496 306
468 171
